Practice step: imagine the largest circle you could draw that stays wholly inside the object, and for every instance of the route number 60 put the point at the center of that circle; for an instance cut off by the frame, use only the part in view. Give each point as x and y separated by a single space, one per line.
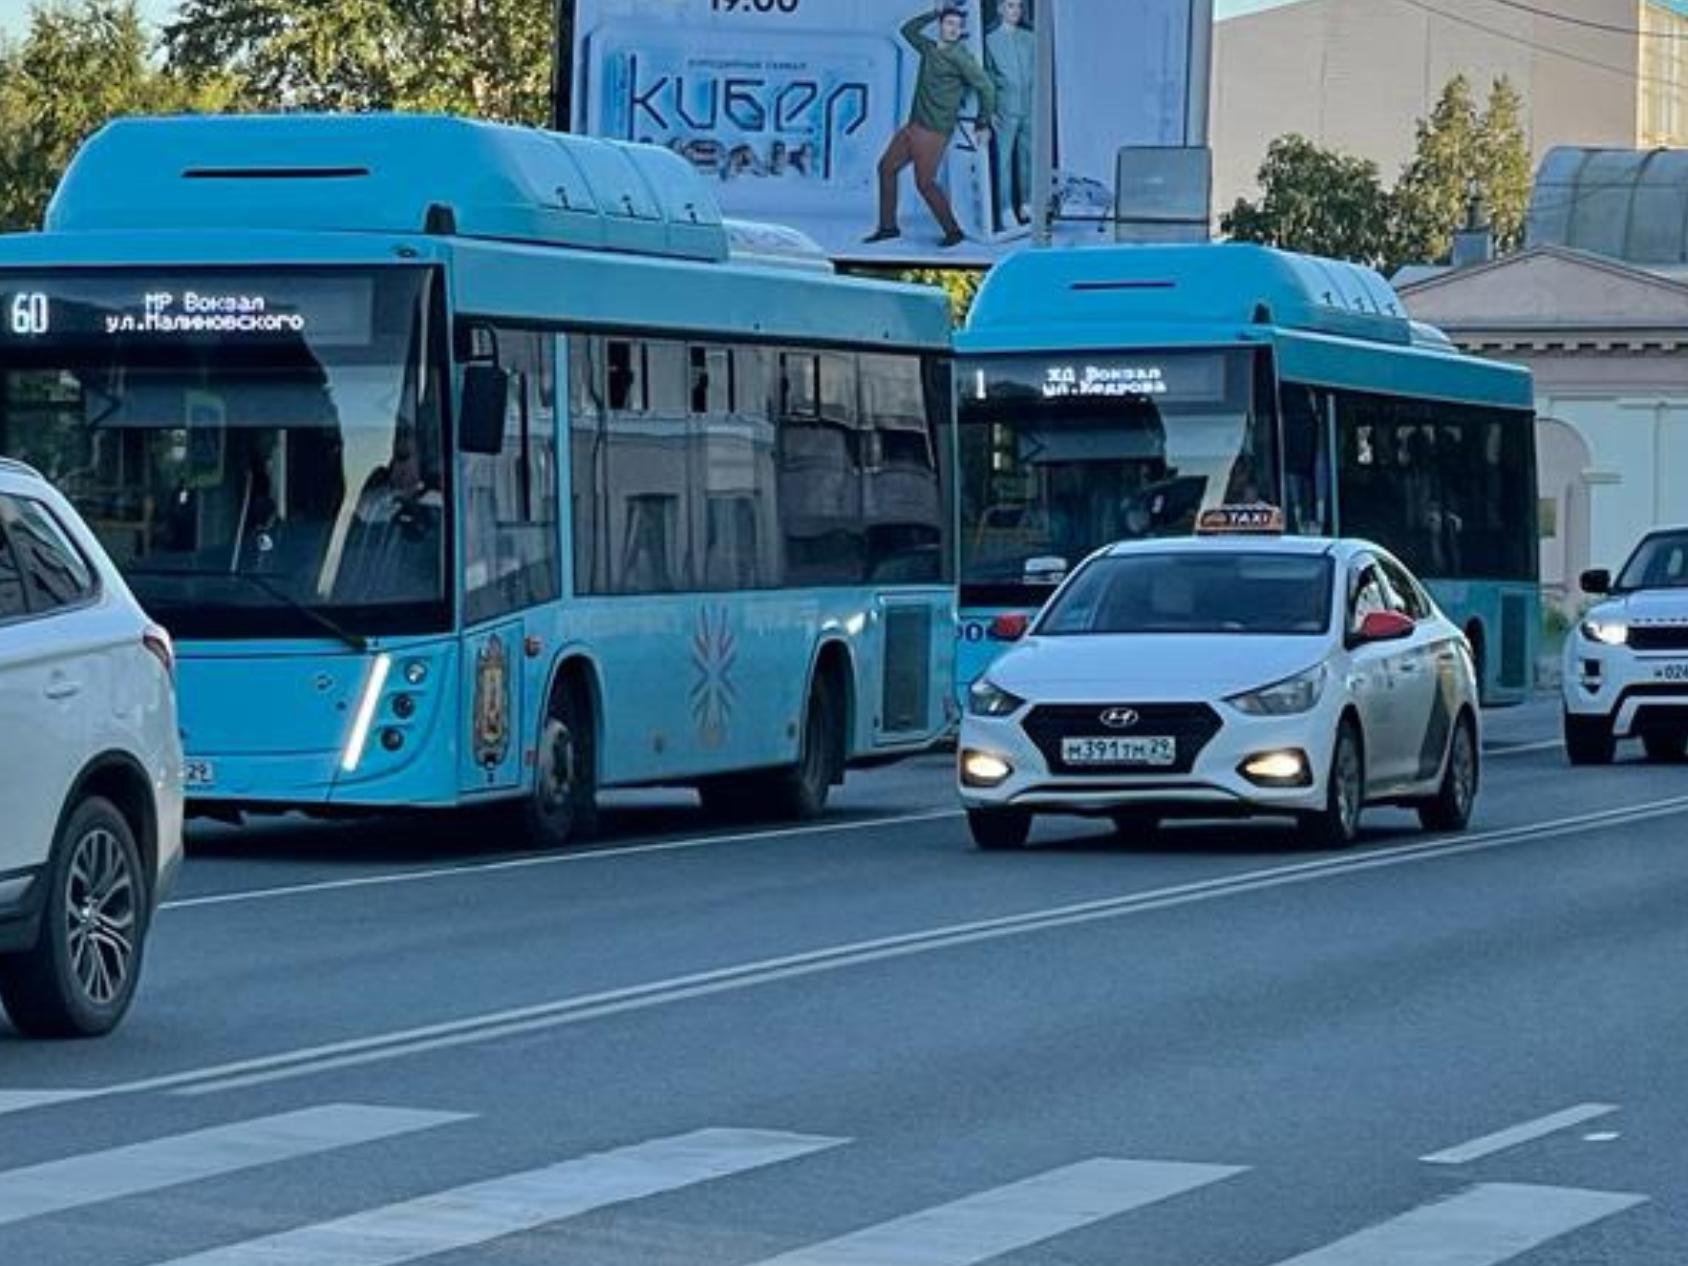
29 314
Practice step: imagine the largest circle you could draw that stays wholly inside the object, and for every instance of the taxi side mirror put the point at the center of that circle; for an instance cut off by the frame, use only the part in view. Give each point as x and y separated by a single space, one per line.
1383 626
1596 582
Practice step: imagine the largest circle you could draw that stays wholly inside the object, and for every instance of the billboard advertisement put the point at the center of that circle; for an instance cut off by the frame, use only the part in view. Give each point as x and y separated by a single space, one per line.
893 130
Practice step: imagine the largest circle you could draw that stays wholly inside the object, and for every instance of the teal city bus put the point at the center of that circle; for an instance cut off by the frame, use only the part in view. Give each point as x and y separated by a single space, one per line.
1115 393
474 465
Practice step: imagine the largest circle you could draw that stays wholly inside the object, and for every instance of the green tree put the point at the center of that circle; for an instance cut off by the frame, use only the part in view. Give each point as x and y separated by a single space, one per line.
489 59
1504 166
1434 189
1316 201
961 286
1462 151
77 67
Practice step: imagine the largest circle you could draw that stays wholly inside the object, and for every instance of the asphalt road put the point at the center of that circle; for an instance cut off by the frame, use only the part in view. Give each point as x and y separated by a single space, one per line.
864 1044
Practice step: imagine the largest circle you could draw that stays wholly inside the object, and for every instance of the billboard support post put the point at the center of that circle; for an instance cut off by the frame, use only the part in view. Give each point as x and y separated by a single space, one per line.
562 63
1043 135
1199 83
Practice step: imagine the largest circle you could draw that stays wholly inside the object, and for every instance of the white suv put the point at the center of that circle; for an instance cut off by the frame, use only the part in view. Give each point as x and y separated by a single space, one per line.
1626 665
91 776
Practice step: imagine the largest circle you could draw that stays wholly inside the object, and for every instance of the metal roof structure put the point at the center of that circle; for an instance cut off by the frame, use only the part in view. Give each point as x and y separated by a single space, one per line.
1630 205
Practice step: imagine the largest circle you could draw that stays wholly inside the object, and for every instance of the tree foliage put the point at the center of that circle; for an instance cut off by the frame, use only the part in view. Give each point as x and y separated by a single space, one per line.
1327 203
1504 172
960 286
1316 201
77 67
489 59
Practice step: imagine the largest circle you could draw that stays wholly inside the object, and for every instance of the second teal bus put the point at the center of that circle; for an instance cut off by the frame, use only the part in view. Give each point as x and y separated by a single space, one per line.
1116 393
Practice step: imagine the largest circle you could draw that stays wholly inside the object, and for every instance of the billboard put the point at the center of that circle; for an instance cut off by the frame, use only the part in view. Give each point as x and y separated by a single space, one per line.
897 131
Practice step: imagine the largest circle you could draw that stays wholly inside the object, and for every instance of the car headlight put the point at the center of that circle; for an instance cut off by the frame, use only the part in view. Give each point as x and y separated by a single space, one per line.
1606 632
987 699
1300 693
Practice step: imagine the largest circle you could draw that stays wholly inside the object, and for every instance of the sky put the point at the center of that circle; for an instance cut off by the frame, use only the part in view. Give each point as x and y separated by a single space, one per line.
14 12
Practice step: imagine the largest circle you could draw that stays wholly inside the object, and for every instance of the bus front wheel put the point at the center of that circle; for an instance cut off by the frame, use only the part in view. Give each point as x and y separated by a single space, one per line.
562 807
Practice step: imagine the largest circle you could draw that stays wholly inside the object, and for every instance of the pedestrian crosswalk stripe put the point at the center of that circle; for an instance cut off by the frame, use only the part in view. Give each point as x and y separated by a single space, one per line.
1483 1226
469 1216
182 1158
991 1223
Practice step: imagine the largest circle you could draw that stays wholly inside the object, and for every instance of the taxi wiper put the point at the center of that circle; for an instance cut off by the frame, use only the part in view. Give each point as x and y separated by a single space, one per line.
326 623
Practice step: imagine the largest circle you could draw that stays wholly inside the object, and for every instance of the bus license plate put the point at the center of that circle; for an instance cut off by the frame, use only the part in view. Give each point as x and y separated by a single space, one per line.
198 774
1157 752
1672 672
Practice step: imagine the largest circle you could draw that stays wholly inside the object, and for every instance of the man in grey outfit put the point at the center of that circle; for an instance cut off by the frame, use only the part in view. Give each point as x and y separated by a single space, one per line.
1011 58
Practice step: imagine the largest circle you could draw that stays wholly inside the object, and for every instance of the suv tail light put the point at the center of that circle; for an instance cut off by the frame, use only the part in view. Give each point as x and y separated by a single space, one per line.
157 640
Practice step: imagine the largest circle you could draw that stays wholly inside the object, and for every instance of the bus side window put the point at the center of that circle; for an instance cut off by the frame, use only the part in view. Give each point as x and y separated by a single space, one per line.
1307 463
648 477
510 533
586 462
820 476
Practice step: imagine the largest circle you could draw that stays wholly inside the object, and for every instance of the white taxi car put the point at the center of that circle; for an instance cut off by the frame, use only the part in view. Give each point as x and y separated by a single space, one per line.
1626 665
1220 676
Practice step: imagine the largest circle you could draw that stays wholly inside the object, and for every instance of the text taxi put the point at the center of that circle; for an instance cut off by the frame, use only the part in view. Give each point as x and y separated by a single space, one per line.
1237 673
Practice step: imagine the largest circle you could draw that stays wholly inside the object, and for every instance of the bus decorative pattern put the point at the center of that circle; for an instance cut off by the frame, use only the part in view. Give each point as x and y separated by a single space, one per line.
492 703
714 655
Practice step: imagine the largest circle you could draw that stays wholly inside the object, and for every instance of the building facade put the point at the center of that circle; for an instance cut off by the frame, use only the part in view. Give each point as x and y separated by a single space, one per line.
1355 74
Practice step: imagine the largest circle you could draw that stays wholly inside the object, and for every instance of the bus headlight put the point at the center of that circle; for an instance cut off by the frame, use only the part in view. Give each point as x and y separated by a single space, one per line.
987 699
1606 632
1299 694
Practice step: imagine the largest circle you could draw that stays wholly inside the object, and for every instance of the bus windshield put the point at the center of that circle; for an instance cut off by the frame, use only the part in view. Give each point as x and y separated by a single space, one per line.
1061 455
261 453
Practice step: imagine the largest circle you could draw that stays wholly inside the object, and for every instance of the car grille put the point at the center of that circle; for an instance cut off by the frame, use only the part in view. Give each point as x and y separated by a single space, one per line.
1658 637
1192 725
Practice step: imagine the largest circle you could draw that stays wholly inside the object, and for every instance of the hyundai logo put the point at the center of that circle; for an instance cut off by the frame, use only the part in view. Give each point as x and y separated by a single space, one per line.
1120 718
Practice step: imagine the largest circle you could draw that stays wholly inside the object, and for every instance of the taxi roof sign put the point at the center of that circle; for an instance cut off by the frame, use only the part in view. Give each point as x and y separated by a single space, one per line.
1253 520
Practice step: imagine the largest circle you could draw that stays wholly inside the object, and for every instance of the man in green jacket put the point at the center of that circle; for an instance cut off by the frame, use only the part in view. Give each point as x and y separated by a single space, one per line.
947 71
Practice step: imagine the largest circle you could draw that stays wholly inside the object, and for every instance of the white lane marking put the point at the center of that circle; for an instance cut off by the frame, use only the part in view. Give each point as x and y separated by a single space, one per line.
584 1008
1519 749
55 1186
472 869
466 1217
1480 1227
1518 1135
577 1008
19 1100
1602 1136
996 1222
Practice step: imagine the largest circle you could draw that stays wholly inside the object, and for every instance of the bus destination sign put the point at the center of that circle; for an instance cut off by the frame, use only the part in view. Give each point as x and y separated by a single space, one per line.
98 306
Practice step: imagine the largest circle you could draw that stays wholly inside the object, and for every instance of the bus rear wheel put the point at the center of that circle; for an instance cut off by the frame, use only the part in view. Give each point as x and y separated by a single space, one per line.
800 791
794 792
562 807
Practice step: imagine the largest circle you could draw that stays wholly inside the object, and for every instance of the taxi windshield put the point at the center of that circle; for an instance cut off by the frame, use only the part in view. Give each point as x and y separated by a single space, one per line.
1249 592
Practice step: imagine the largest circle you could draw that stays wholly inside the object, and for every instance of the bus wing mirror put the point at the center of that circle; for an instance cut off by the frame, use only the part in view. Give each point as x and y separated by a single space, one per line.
1049 571
1597 582
486 396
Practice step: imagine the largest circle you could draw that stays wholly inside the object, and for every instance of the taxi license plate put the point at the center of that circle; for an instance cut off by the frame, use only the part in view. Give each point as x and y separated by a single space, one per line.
1156 752
199 773
1672 672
